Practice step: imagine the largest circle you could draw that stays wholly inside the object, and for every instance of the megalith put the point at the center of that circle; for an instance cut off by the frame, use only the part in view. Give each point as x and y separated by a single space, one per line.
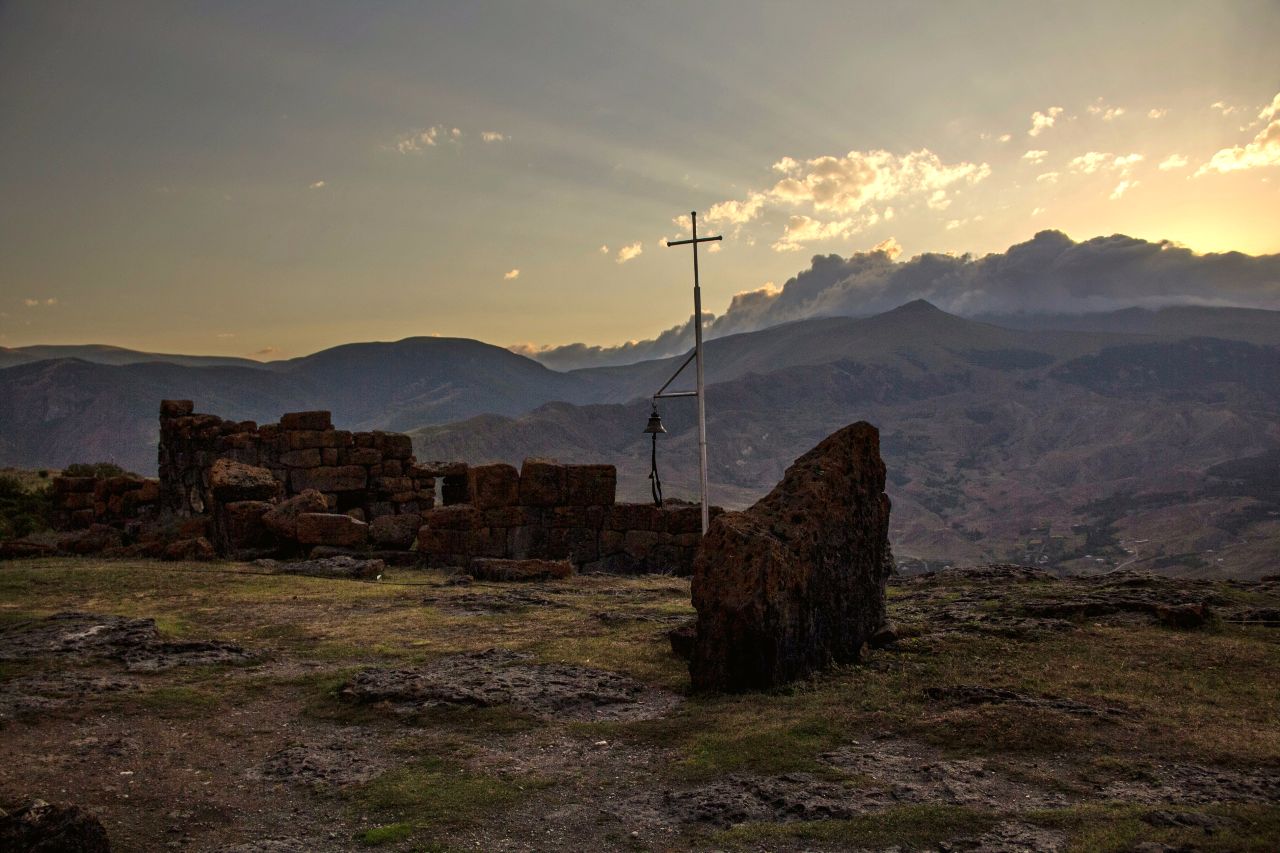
795 583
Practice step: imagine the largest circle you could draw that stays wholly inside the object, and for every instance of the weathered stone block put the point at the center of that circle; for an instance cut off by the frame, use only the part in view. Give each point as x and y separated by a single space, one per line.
317 420
395 531
396 446
359 456
235 481
493 485
520 570
326 478
638 543
487 542
439 542
527 541
309 458
796 582
393 485
590 485
632 517
324 528
461 517
65 485
330 455
176 408
542 483
240 527
683 519
282 519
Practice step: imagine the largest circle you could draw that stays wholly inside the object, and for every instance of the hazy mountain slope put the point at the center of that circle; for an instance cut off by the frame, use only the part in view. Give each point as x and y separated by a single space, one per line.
53 413
69 410
420 381
103 354
1253 325
980 458
914 336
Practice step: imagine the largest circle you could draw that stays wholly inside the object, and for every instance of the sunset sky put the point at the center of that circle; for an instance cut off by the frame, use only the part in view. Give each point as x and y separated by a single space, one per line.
271 178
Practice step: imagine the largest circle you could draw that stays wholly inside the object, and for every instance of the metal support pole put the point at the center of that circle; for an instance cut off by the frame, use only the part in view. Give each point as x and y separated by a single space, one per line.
702 391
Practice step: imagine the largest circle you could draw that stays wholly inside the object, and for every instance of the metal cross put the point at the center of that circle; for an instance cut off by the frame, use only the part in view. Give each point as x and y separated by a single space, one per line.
694 240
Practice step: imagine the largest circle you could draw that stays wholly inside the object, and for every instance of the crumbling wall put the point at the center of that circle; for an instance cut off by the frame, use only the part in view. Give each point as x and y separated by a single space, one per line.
79 502
376 495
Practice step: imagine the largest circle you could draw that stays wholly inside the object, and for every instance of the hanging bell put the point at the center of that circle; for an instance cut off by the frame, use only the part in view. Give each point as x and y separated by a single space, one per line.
655 423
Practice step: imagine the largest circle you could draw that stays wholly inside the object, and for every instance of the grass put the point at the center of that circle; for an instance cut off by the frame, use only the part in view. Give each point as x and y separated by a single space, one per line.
1205 697
431 794
909 826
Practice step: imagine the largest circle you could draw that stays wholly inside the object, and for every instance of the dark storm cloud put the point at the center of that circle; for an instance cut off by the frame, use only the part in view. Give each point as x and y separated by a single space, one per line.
1048 274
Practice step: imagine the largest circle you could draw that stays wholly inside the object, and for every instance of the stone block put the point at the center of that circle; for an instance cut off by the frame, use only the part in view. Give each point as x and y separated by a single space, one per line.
66 485
487 542
542 483
330 478
527 541
520 570
590 485
317 420
612 542
359 456
240 527
235 481
576 516
324 528
638 543
440 542
395 531
176 408
683 519
282 519
493 485
393 485
461 517
308 458
397 446
632 517
363 439
330 455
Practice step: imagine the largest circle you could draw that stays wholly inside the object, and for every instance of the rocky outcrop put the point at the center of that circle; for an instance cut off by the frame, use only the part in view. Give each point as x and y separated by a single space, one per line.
42 826
796 582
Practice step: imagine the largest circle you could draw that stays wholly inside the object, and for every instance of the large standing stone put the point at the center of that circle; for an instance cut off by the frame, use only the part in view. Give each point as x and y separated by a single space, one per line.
796 582
494 485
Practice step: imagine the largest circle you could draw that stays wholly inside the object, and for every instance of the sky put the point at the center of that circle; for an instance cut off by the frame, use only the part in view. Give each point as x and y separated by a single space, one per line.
272 178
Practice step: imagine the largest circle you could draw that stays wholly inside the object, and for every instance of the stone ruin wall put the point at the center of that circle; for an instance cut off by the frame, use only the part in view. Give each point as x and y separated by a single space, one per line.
544 511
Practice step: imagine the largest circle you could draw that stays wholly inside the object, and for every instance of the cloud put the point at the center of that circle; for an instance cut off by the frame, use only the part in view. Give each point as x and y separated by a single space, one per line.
714 247
1106 113
629 252
1223 107
604 248
48 302
318 185
848 184
1123 187
735 212
1042 121
1157 112
31 303
803 229
1048 177
1173 161
265 352
492 136
512 275
1263 151
676 340
1035 156
224 335
418 141
1005 137
1048 273
888 246
1095 161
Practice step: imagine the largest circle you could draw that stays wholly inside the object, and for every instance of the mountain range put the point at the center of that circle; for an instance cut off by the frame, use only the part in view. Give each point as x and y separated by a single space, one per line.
1133 437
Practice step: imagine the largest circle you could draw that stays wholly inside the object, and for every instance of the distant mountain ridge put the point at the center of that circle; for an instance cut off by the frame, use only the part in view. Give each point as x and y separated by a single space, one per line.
1054 446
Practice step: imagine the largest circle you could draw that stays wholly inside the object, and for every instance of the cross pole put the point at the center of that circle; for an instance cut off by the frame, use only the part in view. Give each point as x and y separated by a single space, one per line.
694 240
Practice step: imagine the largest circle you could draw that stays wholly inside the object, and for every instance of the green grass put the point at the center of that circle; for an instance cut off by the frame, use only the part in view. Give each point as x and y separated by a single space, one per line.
386 834
909 826
431 794
1244 828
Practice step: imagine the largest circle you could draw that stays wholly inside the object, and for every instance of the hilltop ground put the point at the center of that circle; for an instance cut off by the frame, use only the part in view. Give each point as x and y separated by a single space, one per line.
282 713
